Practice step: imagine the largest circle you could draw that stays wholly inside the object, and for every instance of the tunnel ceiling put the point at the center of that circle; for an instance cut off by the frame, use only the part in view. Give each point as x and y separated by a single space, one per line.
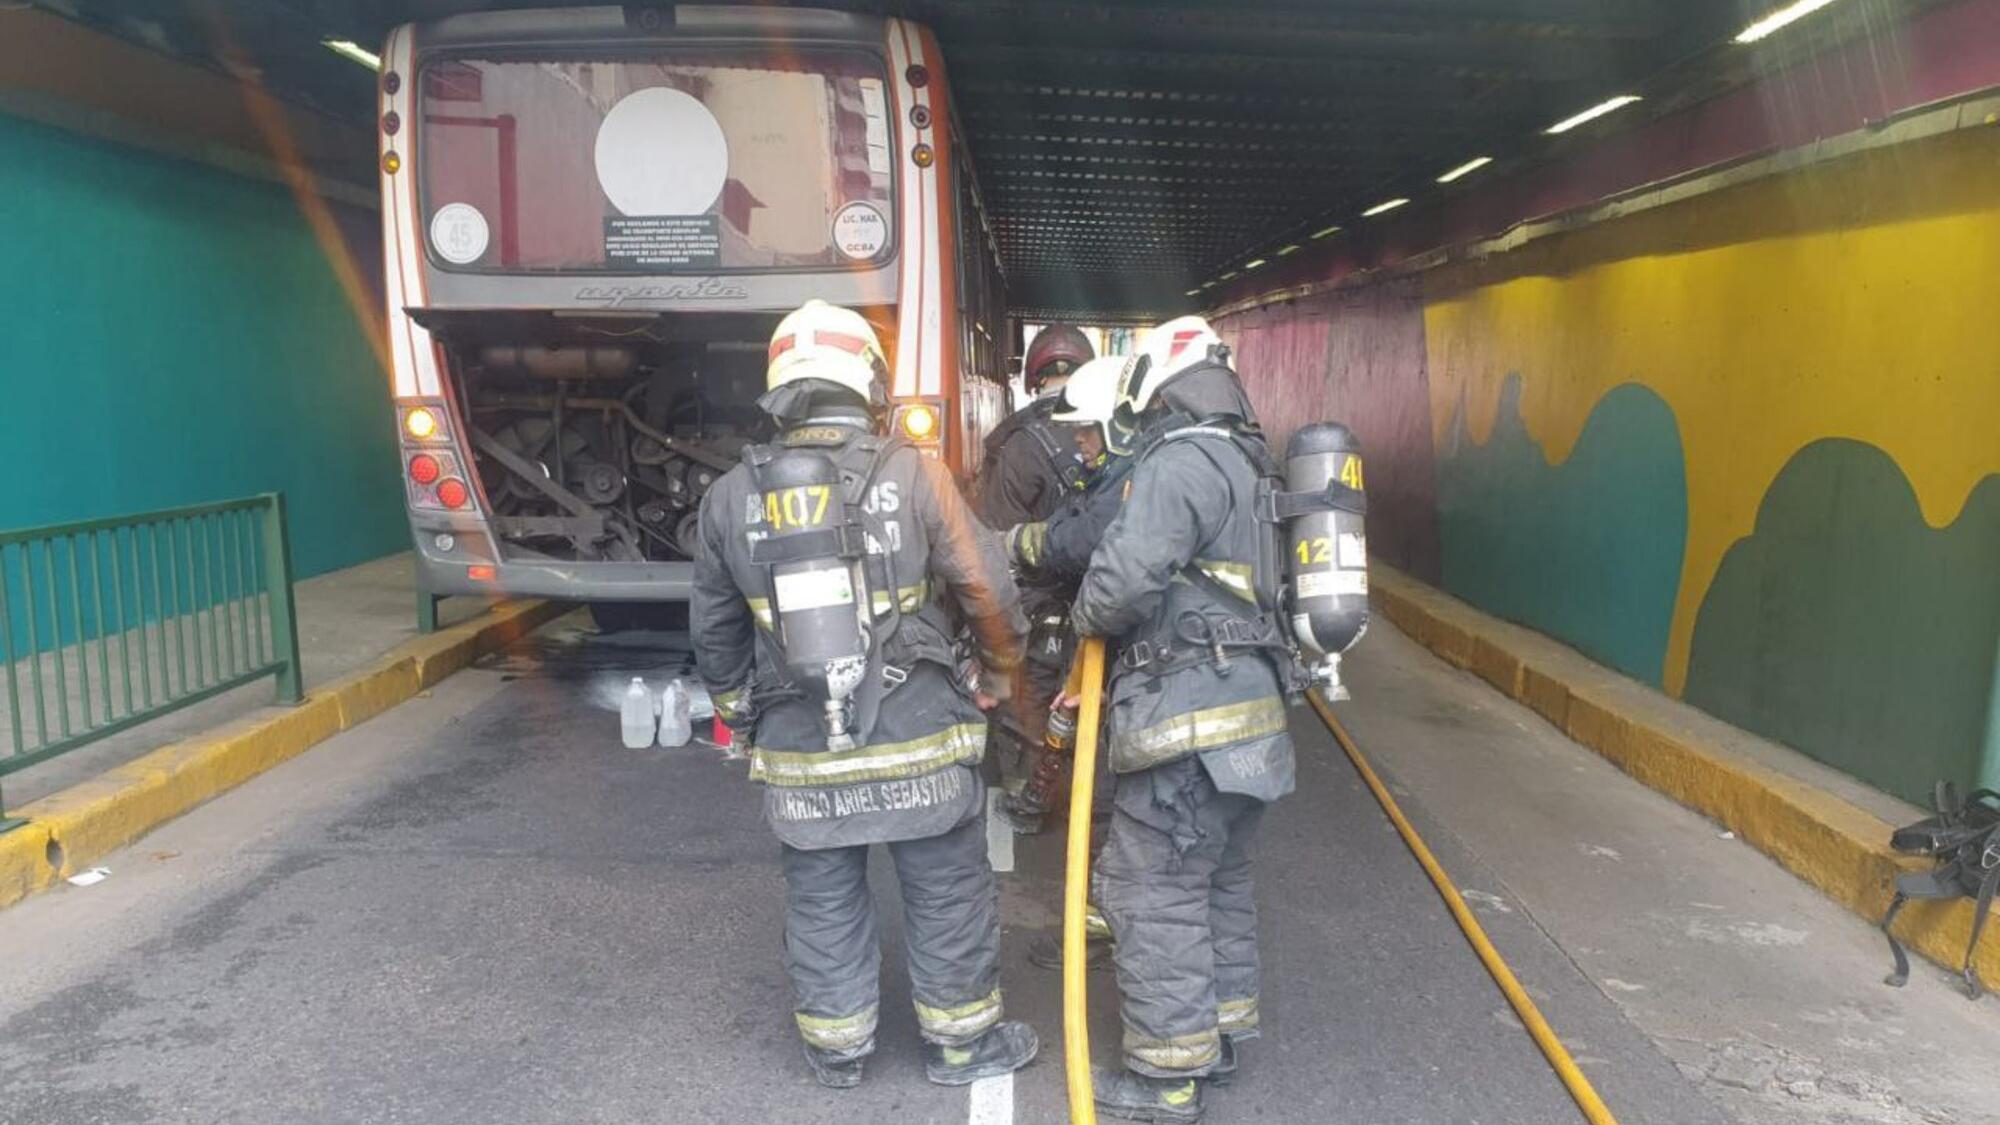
1132 150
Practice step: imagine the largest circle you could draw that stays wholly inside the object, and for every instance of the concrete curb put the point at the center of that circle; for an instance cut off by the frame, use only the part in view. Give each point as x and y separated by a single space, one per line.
1822 838
68 831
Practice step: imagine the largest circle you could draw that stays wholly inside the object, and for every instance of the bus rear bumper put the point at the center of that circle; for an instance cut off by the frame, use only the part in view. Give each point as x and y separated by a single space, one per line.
467 568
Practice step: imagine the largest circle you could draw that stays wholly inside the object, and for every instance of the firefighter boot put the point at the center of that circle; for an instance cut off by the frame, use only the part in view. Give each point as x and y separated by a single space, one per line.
1006 1047
833 1068
1224 1071
1138 1097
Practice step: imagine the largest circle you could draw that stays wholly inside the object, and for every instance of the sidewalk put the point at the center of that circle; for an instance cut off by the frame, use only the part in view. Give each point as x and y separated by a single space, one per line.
361 655
1763 993
1820 824
347 618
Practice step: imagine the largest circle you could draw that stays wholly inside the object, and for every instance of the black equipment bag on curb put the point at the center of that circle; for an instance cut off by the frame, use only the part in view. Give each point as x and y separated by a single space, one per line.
1964 838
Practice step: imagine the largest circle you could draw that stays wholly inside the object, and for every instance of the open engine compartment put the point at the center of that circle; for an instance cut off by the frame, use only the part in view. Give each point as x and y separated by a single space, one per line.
594 437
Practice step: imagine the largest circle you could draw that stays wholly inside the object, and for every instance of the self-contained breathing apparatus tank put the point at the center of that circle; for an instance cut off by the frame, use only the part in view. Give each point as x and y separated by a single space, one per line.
818 584
1326 560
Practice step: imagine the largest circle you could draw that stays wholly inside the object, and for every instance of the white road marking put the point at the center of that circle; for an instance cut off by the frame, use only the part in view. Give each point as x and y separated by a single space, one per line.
999 845
992 1100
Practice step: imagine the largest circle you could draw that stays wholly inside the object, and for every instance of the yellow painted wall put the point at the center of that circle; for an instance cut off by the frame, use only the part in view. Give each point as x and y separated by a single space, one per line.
1855 300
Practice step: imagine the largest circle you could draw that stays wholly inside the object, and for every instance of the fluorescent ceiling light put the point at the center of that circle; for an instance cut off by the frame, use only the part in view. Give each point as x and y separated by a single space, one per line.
1593 113
1208 285
1230 274
1252 264
1323 233
1797 10
349 49
1473 165
1191 292
1284 250
1385 205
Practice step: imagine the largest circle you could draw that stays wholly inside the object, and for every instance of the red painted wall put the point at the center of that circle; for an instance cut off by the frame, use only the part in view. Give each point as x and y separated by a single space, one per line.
1355 358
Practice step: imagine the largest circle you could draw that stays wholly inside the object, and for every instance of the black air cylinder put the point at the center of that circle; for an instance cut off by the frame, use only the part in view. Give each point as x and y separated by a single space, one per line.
1327 560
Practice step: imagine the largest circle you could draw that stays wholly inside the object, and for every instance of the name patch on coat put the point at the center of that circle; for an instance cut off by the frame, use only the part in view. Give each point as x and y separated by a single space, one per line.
874 796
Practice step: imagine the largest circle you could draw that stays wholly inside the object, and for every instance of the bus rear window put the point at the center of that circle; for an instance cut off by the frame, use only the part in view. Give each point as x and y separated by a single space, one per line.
675 164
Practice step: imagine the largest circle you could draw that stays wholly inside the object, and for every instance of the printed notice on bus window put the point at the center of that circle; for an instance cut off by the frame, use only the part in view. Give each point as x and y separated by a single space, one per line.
662 241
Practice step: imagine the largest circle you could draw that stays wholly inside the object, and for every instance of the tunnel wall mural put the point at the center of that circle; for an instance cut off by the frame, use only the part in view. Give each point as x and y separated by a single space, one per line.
1742 447
178 337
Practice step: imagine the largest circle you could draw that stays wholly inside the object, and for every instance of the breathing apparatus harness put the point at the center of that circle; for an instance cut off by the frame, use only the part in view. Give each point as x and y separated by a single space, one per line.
816 625
1318 608
1033 419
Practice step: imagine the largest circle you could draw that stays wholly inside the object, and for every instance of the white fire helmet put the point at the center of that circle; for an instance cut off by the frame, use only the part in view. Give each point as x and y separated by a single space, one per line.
1091 395
1165 352
822 341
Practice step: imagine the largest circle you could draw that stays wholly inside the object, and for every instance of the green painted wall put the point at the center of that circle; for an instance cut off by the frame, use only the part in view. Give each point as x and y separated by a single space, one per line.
1845 623
174 335
1588 550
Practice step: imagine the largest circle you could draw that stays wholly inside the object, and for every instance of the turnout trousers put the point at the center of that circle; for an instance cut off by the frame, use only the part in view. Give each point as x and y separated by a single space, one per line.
1174 882
951 925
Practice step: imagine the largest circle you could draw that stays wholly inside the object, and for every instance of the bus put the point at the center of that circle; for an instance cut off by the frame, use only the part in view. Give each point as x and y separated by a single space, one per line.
593 219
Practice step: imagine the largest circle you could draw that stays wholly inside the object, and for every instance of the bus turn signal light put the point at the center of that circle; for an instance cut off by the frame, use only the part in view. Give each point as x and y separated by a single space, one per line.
920 422
420 423
452 494
424 469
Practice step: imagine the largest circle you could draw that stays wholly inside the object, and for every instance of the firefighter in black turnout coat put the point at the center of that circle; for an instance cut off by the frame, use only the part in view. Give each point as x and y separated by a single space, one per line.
1050 555
1030 469
1183 586
877 743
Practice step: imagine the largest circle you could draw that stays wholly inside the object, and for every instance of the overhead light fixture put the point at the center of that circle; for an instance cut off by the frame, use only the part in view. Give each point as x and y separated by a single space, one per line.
1385 205
1797 10
1284 250
1592 114
1208 285
1230 274
1470 166
1192 292
1319 234
1252 264
348 49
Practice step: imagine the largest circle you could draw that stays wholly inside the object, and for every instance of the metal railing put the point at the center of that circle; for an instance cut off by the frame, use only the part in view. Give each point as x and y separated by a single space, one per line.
108 623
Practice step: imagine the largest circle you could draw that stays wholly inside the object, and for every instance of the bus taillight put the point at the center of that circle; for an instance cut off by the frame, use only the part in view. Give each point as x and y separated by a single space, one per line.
421 423
917 421
424 469
451 492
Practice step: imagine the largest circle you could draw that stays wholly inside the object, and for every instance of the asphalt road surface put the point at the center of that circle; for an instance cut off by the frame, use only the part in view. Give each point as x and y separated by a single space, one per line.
480 908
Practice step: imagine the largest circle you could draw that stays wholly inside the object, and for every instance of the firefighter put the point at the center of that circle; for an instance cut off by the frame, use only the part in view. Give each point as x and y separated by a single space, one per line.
1054 554
1050 555
1184 586
892 544
1030 468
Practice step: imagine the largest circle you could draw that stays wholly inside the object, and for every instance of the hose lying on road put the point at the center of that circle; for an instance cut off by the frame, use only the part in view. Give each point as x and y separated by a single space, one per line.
1573 1080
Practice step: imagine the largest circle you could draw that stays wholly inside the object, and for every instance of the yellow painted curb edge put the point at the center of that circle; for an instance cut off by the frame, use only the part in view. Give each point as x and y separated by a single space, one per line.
68 831
1830 843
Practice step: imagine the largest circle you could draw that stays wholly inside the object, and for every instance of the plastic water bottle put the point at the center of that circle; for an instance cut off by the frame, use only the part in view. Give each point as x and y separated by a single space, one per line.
635 715
676 727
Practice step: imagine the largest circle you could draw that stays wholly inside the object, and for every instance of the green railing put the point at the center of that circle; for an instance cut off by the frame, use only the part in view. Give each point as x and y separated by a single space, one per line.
108 623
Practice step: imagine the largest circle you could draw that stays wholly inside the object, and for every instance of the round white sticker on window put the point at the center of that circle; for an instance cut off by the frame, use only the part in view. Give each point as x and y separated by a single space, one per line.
661 152
860 231
459 233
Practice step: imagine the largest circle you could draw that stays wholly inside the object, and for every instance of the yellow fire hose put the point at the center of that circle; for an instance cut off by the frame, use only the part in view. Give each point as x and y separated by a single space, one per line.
1573 1080
1086 680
